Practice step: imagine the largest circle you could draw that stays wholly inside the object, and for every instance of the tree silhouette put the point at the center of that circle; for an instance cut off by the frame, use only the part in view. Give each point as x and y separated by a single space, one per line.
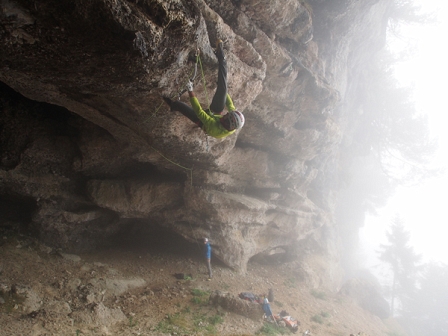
390 127
406 11
403 262
427 312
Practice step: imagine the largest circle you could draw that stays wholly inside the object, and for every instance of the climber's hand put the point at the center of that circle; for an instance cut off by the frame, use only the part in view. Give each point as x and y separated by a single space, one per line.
190 86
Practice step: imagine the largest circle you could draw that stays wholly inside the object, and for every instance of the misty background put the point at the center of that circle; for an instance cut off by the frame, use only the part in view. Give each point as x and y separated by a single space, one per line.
423 67
411 263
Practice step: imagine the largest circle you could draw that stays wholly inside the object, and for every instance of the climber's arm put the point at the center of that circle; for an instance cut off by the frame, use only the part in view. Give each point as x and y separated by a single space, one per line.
229 103
200 113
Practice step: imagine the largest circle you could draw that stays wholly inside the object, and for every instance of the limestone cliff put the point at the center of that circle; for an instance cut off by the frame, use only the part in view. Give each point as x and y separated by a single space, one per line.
93 152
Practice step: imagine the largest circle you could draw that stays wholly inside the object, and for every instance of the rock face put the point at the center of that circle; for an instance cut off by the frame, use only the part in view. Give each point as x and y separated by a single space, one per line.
92 149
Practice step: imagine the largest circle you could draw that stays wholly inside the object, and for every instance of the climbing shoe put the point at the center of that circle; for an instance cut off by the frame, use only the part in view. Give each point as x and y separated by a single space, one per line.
218 44
168 101
220 50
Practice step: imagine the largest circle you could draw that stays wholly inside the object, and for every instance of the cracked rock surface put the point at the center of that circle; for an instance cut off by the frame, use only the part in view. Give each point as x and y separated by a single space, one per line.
90 153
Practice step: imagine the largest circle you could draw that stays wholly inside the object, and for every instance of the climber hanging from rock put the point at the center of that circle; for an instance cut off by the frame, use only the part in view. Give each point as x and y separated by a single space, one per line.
211 120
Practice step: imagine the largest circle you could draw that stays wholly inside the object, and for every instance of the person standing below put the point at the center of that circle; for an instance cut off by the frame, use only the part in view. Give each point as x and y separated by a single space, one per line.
208 256
267 309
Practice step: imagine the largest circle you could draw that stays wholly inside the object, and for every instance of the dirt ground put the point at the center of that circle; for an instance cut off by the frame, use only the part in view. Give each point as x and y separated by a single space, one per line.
133 291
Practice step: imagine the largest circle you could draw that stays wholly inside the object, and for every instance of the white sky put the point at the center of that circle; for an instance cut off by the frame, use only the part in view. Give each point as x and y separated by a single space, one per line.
424 209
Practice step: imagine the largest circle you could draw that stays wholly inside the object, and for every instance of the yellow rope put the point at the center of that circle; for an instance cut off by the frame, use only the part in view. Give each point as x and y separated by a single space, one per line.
175 163
198 60
203 82
152 115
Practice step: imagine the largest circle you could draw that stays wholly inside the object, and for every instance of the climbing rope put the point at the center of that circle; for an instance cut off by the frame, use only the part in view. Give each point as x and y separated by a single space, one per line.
177 164
195 71
207 146
180 93
204 83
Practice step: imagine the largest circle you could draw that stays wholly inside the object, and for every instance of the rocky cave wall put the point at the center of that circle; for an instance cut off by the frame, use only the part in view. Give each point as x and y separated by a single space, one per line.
88 147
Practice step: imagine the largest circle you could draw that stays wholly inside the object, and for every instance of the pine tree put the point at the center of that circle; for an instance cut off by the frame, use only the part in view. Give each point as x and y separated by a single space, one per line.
427 313
403 262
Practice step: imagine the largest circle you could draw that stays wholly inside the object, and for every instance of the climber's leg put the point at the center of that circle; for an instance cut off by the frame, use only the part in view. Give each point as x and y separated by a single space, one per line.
183 108
219 99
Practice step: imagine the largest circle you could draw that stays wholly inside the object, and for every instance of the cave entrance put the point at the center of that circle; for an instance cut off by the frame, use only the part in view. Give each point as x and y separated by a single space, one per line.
139 236
16 212
276 255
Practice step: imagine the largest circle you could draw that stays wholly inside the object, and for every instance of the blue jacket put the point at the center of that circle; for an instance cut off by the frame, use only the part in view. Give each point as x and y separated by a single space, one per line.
208 251
267 307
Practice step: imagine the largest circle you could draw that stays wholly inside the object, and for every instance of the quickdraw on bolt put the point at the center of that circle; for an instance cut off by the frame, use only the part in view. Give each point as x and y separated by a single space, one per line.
194 73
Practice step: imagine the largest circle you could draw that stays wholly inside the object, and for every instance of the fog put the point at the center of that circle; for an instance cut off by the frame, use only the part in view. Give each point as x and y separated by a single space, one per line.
422 207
